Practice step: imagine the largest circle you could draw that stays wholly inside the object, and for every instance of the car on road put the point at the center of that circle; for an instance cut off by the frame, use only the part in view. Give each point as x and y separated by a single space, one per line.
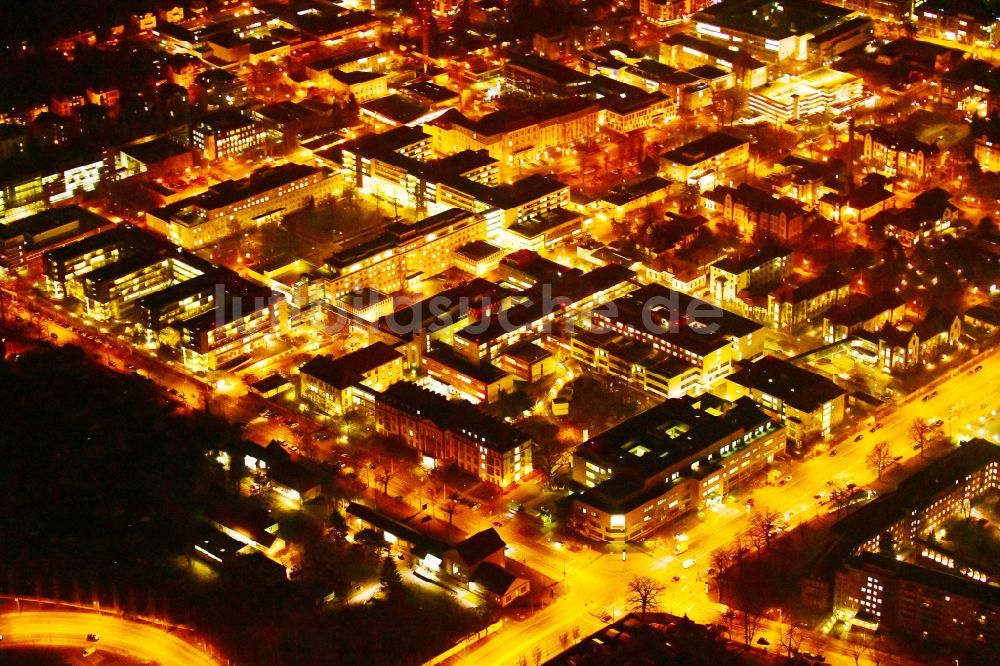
294 425
833 452
859 437
978 368
676 579
875 427
89 651
172 391
93 638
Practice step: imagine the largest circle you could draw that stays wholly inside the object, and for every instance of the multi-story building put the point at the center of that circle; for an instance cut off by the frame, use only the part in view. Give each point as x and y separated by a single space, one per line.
644 367
862 313
963 21
512 137
226 134
540 307
672 459
895 348
265 196
987 148
730 276
31 186
23 241
758 213
328 384
403 250
627 198
899 153
884 569
539 77
686 51
704 162
809 405
686 328
453 432
792 305
821 90
771 29
243 318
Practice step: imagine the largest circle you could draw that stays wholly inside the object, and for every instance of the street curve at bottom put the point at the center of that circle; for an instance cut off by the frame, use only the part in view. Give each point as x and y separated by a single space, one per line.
69 629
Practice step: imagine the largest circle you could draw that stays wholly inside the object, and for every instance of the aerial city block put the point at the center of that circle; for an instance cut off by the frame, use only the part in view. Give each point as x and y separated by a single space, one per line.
499 332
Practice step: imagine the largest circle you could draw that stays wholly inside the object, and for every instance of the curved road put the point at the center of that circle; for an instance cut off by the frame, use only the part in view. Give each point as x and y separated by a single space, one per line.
70 629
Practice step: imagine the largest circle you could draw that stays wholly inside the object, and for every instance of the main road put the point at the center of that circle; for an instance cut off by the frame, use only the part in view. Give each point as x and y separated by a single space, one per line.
595 584
69 629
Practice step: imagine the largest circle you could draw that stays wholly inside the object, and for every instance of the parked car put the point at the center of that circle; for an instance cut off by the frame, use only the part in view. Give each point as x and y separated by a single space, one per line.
93 638
859 437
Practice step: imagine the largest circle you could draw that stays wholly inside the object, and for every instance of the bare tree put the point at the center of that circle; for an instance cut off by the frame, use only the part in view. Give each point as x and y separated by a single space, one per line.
549 457
921 433
740 548
879 458
386 476
722 560
644 593
790 637
765 525
858 647
750 621
450 507
729 617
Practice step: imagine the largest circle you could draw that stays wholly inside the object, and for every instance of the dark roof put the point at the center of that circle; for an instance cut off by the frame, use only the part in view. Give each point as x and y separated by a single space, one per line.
800 388
349 370
270 383
737 265
917 491
494 578
868 195
478 250
569 290
704 148
385 523
928 577
672 436
155 151
292 475
771 19
480 372
479 546
860 309
901 140
984 313
453 415
619 196
398 108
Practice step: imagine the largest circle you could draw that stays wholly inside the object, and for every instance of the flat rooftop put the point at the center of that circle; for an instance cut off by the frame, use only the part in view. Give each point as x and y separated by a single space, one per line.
772 19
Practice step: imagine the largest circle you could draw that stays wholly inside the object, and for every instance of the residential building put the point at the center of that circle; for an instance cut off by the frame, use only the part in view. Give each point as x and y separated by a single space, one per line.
987 148
453 432
263 197
403 250
539 77
704 162
792 305
959 21
640 364
900 348
862 313
674 458
620 201
702 335
757 213
539 308
929 215
884 569
328 384
809 405
226 134
899 153
730 276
